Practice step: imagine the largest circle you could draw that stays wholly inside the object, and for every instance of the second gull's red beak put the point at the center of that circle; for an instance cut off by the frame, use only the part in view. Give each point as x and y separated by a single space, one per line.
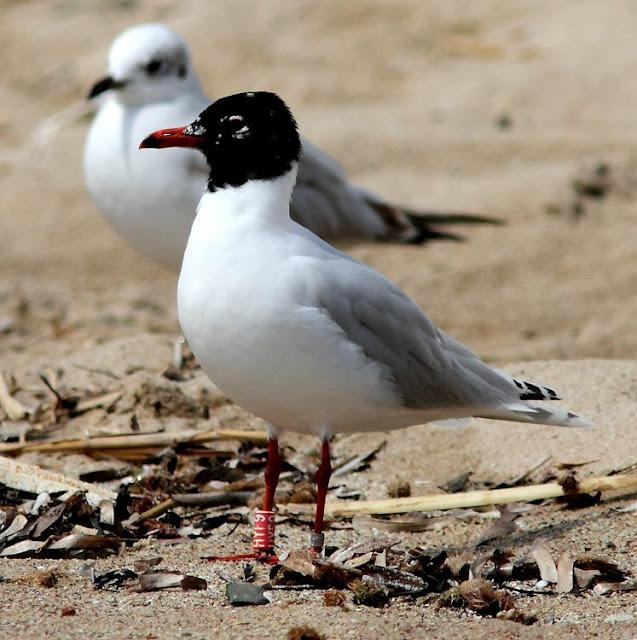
170 138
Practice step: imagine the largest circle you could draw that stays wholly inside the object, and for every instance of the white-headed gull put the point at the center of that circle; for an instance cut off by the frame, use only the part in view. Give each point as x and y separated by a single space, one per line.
151 200
298 332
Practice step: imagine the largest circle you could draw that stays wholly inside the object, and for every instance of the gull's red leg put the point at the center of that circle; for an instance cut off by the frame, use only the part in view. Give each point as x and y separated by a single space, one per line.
263 541
322 478
272 472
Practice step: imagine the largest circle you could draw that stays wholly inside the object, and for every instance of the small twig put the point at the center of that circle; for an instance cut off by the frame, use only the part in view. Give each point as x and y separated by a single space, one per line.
51 388
105 400
630 467
156 511
178 352
101 372
218 498
526 474
14 409
354 463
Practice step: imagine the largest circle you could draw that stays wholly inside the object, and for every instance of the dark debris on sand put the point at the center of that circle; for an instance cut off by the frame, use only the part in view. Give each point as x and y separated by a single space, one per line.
186 490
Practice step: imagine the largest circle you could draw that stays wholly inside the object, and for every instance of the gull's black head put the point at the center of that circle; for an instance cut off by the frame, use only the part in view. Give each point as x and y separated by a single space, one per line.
246 136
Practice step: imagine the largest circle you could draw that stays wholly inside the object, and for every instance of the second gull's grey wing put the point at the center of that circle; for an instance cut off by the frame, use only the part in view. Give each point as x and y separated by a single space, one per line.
324 202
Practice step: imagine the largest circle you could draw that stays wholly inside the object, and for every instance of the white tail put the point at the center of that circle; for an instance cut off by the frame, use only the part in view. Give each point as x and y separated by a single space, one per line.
537 415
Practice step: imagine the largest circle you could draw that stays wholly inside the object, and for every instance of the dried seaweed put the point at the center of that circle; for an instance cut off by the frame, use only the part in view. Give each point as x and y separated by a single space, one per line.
369 593
145 578
113 580
303 633
603 588
565 580
188 488
399 489
480 596
333 598
501 527
546 564
156 580
457 483
69 525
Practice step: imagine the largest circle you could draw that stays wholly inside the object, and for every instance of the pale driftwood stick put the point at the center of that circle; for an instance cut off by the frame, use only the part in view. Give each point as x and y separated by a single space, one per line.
469 499
132 441
31 478
14 409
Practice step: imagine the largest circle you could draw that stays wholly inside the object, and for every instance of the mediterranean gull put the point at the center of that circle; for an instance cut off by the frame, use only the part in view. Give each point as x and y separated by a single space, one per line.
299 333
151 201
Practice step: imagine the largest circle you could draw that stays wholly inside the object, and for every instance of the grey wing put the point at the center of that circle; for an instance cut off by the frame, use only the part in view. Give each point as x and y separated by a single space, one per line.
324 201
429 369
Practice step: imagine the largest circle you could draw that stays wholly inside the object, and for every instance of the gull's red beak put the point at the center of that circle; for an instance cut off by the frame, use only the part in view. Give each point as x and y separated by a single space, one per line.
170 138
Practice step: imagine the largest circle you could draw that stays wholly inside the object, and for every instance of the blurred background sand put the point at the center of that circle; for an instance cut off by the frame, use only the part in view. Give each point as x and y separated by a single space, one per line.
409 96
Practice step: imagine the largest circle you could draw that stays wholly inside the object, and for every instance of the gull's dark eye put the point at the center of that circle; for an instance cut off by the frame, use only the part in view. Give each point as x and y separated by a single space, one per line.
155 66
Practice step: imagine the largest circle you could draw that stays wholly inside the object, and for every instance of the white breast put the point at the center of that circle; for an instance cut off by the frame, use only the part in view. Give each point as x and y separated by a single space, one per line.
247 313
148 197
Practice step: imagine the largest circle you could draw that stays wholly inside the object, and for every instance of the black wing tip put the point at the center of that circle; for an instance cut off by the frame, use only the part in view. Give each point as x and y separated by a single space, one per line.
424 234
449 217
424 225
530 391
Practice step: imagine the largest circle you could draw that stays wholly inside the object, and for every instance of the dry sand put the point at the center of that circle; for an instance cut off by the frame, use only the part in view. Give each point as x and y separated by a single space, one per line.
408 96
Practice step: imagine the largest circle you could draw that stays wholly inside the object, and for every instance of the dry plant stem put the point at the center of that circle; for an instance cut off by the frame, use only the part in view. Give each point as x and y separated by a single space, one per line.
14 409
157 510
154 440
197 500
231 498
471 498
